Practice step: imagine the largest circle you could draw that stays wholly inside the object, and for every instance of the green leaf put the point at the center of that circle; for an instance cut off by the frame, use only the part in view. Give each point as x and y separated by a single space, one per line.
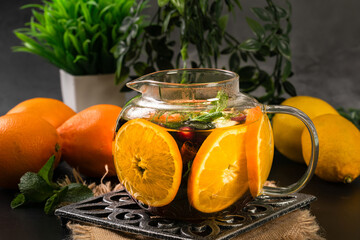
286 70
227 50
80 57
34 187
284 48
200 125
179 5
167 20
238 4
262 13
234 61
223 20
244 56
245 85
289 88
39 6
274 42
221 102
281 12
266 82
256 27
184 51
123 75
18 201
47 171
77 192
246 73
54 200
162 3
208 117
250 45
139 68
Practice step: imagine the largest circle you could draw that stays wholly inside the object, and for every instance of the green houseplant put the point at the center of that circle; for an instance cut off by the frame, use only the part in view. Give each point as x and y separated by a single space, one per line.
77 36
202 28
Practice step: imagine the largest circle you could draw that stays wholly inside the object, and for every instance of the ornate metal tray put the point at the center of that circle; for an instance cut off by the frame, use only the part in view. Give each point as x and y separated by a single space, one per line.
117 211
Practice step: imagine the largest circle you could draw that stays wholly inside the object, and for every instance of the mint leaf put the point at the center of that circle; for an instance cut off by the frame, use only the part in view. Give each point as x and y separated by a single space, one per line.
47 171
34 187
77 192
209 117
221 103
18 201
54 200
39 188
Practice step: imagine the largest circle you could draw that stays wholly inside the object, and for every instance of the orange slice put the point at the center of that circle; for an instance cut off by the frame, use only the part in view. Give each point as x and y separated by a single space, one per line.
165 117
218 176
148 162
259 150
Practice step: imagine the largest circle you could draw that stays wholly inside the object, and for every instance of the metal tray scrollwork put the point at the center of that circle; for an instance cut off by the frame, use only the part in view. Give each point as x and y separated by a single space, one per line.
117 211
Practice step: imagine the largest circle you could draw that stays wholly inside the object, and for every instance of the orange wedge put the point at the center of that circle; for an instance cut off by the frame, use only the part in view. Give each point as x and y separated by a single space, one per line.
218 176
259 150
148 162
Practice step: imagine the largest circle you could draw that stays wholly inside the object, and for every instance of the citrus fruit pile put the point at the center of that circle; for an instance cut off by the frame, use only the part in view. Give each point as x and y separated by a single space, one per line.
35 129
288 129
229 162
339 152
28 137
87 140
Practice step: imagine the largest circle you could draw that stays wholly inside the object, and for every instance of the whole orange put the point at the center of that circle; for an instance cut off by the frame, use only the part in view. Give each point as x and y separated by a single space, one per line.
87 140
52 110
26 143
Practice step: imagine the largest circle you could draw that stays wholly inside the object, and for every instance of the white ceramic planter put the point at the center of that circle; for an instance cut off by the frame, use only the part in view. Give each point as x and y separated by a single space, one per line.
80 92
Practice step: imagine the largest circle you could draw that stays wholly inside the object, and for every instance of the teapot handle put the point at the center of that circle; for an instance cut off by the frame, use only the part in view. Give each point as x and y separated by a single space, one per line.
281 191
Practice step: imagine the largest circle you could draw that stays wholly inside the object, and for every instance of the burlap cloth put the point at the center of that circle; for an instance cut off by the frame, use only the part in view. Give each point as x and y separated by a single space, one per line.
298 225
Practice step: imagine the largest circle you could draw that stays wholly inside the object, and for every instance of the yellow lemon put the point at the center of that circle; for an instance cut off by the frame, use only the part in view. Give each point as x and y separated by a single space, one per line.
339 151
287 129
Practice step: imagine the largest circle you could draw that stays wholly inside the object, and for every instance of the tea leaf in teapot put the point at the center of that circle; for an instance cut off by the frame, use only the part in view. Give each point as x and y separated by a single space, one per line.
216 112
208 117
221 102
200 125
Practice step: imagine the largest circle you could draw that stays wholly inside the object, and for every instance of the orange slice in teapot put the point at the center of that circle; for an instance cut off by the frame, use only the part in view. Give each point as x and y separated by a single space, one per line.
148 162
218 176
259 149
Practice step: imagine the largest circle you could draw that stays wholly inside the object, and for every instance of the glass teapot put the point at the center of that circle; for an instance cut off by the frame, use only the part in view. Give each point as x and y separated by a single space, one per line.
192 146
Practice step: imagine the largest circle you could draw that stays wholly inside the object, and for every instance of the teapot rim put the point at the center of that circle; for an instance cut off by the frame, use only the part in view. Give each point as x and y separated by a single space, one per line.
143 79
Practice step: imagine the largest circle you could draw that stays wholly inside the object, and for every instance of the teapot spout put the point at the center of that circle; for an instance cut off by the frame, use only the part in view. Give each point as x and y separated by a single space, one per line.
137 85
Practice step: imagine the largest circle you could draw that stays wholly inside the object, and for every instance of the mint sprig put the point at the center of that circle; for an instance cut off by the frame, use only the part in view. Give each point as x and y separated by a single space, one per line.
39 187
219 105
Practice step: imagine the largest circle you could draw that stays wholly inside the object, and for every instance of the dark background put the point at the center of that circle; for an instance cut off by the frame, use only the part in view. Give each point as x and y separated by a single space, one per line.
326 61
324 42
